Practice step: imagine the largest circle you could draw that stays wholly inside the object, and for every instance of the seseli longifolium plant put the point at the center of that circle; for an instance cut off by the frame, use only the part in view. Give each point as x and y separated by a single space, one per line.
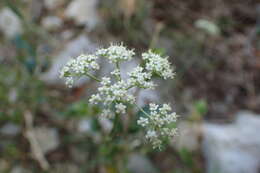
115 94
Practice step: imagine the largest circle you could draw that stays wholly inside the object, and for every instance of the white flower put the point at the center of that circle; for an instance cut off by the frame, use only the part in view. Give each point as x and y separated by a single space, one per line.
143 121
151 134
106 113
120 108
116 53
153 107
95 98
69 81
117 92
116 72
158 124
157 64
113 94
78 67
105 81
140 78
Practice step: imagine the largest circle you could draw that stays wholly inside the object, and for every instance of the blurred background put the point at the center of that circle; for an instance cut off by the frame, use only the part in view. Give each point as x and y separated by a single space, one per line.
214 46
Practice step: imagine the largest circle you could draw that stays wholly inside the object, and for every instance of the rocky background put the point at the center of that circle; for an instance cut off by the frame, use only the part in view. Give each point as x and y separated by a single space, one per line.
214 46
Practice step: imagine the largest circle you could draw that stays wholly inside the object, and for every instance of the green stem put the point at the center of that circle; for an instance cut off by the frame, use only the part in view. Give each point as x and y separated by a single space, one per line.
118 67
141 109
115 125
93 77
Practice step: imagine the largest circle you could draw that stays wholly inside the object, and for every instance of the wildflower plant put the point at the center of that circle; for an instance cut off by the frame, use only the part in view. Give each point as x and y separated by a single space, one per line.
116 94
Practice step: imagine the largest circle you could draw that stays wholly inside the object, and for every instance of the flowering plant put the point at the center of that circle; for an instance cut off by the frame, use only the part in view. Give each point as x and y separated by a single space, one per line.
115 94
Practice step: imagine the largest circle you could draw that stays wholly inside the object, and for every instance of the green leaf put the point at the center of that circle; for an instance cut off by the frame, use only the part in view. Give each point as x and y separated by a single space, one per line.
201 107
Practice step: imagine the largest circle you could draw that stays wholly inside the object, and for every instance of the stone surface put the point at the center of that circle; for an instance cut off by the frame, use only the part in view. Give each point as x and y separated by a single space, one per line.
65 167
73 49
188 137
53 4
106 124
19 169
10 23
140 164
3 165
147 96
47 138
85 126
51 22
10 129
83 12
235 147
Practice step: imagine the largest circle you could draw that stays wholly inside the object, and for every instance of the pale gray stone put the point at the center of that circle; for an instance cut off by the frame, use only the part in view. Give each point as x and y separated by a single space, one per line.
10 129
19 169
48 138
235 147
140 164
10 24
73 49
83 12
188 137
51 22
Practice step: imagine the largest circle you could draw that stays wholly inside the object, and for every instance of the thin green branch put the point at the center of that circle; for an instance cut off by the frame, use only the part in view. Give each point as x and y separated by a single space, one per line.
141 109
118 67
93 77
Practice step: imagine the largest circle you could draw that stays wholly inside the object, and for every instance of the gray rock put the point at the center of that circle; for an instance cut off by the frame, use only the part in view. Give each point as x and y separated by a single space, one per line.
3 165
106 124
10 129
48 138
51 22
73 49
10 23
140 164
85 126
233 148
146 96
83 12
19 169
53 4
65 167
188 136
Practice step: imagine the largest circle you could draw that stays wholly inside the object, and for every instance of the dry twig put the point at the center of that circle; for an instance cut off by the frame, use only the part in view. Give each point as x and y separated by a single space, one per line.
36 150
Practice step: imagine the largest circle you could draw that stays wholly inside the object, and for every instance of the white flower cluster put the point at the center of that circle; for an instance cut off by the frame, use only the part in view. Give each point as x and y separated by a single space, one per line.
116 53
159 124
113 93
78 67
109 94
158 65
140 78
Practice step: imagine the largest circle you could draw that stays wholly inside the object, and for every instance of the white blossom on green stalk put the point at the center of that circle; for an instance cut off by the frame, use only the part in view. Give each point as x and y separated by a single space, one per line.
116 53
157 64
140 78
158 124
113 93
78 67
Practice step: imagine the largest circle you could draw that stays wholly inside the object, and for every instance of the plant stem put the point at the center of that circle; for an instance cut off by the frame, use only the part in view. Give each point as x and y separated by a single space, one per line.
115 125
141 109
118 67
93 77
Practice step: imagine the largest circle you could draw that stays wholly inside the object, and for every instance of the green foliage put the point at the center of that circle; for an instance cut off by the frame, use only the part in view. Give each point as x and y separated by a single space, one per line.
201 107
81 109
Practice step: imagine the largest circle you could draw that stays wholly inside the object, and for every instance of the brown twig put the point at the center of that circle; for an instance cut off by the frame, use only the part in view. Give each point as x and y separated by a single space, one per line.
36 150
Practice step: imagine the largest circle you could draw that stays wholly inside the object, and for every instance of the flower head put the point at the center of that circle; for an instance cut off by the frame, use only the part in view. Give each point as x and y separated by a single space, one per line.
140 78
78 67
159 124
113 92
116 53
157 64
